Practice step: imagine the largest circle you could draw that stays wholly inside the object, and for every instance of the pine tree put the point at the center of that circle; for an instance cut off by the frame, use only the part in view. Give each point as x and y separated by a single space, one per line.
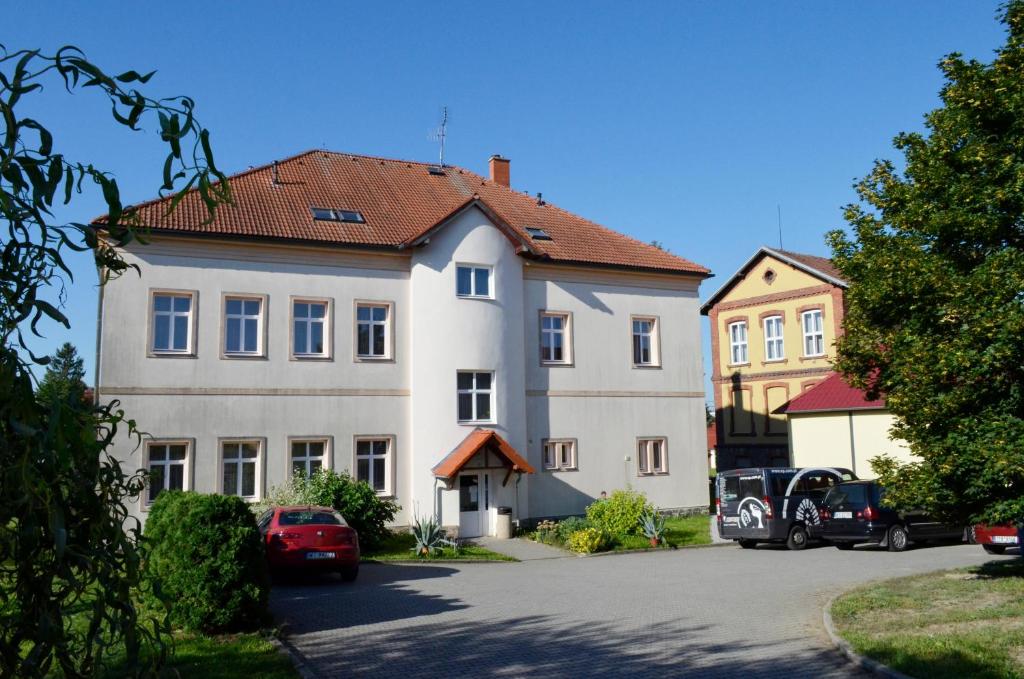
64 377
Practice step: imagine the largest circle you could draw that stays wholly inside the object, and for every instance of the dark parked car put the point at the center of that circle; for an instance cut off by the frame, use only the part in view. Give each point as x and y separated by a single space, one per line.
995 539
853 514
310 538
771 504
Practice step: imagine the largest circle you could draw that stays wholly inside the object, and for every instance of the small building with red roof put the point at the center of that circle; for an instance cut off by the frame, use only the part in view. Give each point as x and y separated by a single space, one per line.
835 424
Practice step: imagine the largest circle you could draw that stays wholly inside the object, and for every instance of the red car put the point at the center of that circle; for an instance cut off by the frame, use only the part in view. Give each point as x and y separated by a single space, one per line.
995 539
310 538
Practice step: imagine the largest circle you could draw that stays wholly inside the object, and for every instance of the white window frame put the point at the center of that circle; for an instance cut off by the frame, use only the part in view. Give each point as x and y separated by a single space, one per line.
261 325
310 321
816 336
186 465
559 454
565 332
474 391
387 324
389 463
259 461
307 458
473 294
653 339
774 344
190 334
645 456
738 347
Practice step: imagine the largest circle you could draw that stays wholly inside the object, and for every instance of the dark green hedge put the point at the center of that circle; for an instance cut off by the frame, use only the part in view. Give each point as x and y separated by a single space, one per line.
205 554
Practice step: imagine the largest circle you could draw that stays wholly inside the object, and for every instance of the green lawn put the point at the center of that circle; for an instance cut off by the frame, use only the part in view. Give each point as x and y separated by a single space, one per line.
238 656
680 531
399 548
962 623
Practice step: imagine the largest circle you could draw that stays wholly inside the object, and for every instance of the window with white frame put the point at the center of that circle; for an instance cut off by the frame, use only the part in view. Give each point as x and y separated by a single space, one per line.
651 456
645 341
555 339
373 330
560 454
240 461
473 281
167 461
475 396
308 456
773 346
172 322
373 463
243 326
738 342
814 333
309 329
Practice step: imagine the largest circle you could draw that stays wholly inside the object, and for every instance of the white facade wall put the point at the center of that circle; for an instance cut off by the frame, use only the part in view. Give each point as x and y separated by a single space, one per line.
601 400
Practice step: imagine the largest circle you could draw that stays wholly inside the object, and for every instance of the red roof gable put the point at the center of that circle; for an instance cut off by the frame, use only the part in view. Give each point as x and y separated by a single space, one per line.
831 394
471 445
400 201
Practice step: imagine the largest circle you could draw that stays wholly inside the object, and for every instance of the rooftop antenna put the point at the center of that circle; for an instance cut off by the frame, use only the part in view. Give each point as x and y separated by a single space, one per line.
440 133
277 179
778 209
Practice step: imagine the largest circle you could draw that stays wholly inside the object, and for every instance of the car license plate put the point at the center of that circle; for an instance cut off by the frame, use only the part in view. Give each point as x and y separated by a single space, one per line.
320 555
1004 539
843 515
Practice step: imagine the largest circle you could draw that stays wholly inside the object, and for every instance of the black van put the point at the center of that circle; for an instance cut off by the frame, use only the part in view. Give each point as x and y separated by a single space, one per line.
774 504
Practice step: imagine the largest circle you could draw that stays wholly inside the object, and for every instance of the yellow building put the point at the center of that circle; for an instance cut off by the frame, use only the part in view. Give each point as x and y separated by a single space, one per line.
773 329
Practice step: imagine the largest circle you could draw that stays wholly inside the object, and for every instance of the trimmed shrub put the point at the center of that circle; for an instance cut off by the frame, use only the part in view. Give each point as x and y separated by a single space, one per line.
588 541
363 509
567 527
621 513
204 555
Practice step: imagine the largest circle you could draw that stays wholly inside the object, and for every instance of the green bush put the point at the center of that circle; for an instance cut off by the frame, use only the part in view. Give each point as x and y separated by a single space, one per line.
362 508
588 541
621 513
567 527
205 555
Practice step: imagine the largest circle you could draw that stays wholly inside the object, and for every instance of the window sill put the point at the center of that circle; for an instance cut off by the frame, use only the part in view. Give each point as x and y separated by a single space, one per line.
474 423
652 473
561 469
373 359
484 297
816 357
243 357
738 365
557 364
647 366
170 354
776 361
311 358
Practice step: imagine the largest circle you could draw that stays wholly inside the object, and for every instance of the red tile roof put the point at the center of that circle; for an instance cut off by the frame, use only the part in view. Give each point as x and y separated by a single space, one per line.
822 264
400 201
471 445
831 394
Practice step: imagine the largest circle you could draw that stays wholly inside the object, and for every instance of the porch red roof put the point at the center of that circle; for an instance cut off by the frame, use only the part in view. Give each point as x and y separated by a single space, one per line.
471 445
831 394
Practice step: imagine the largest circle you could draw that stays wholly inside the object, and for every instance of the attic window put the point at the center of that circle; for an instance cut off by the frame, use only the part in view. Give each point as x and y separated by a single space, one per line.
337 215
537 233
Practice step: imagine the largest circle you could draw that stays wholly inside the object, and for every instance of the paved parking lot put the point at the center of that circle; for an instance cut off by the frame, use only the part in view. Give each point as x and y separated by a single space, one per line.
716 611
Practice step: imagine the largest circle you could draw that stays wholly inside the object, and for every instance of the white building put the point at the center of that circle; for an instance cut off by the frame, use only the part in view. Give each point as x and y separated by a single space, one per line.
372 315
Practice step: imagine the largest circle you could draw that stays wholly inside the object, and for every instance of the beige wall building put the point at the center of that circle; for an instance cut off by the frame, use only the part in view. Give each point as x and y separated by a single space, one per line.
773 329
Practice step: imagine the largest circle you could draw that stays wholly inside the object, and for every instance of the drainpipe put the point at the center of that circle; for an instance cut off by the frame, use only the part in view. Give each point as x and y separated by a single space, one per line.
853 444
99 338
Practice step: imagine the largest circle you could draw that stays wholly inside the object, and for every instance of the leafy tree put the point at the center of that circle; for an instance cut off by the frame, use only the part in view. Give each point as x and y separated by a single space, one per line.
63 379
69 552
936 296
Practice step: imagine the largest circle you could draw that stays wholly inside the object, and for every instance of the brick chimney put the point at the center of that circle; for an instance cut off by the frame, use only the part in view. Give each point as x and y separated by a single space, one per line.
499 168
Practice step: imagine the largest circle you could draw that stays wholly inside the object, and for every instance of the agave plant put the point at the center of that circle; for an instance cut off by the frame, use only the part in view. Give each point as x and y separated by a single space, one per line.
430 536
653 526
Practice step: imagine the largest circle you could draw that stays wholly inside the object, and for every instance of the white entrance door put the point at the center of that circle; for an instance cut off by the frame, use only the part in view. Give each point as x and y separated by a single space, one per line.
471 523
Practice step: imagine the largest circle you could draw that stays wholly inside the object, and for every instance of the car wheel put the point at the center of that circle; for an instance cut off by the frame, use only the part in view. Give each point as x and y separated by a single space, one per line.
747 544
994 549
797 538
843 545
349 573
898 538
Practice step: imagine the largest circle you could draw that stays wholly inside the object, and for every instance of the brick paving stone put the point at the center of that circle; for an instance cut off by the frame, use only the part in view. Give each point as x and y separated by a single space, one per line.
721 612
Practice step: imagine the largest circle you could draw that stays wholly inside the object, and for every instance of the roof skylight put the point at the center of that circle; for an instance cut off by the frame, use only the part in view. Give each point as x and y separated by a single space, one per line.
327 215
537 233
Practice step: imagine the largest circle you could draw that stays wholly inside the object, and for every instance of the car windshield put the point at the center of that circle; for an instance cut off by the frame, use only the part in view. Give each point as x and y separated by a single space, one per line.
851 494
305 517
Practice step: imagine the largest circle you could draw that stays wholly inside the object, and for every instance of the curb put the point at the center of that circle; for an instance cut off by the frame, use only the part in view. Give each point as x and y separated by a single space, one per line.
427 562
841 644
298 660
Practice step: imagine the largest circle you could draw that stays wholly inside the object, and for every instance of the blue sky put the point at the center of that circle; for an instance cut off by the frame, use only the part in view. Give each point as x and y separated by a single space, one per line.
682 122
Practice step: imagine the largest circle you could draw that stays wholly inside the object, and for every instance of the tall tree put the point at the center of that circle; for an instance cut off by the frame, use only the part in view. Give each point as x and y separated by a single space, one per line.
936 297
69 553
64 376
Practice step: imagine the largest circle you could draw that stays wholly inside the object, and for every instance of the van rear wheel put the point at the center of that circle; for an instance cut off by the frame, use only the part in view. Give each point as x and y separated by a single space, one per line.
747 544
797 539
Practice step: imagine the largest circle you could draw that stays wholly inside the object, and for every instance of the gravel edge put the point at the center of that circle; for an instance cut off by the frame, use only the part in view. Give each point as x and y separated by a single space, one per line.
857 659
